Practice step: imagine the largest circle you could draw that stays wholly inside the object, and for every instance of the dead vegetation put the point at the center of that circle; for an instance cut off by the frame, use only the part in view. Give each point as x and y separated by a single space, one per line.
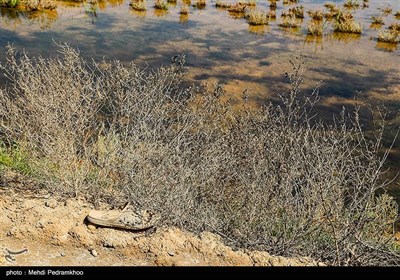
138 5
274 178
389 36
316 14
315 28
345 23
257 17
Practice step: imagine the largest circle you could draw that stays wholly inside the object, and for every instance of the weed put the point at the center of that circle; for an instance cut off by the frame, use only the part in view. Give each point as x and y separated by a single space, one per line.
316 14
389 36
200 4
386 10
297 11
395 27
250 3
289 22
161 5
257 17
344 22
377 20
315 28
9 3
237 8
351 4
184 10
220 4
138 5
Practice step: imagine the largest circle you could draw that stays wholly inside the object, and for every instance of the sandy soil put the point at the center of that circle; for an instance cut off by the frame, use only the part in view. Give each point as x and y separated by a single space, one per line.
55 233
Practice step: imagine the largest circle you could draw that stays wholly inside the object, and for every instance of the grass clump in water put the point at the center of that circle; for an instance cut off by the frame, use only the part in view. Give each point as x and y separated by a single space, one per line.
257 17
138 5
387 10
289 22
161 5
221 4
297 11
184 10
200 4
351 4
316 14
394 26
345 23
389 36
377 20
315 28
237 8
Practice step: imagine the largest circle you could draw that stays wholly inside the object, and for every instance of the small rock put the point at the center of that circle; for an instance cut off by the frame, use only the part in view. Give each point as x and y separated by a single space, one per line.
94 253
52 203
62 254
40 224
171 253
91 227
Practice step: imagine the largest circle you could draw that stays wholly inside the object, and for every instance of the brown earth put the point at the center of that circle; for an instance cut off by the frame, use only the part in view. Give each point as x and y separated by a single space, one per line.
55 233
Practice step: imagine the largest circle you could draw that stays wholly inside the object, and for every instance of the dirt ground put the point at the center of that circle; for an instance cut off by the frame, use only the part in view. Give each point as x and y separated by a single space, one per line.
55 233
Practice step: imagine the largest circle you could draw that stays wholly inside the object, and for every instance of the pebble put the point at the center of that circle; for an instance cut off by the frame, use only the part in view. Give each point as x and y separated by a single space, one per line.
62 254
91 227
52 203
94 253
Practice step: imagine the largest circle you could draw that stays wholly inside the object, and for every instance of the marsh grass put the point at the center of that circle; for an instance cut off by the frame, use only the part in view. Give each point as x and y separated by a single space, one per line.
9 3
39 5
389 36
330 6
351 4
221 4
386 10
250 3
273 5
237 8
184 10
394 26
274 178
161 5
331 14
345 23
138 5
297 11
271 14
315 28
289 2
29 5
377 20
289 22
257 17
316 14
200 4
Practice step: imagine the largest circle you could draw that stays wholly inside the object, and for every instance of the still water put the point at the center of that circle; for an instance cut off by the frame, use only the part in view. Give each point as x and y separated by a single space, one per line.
220 46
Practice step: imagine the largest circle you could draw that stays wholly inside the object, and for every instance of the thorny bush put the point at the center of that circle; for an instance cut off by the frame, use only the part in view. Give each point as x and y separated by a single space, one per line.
273 178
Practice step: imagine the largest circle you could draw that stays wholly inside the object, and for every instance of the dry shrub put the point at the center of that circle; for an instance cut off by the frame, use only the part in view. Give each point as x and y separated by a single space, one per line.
257 17
273 178
389 36
345 23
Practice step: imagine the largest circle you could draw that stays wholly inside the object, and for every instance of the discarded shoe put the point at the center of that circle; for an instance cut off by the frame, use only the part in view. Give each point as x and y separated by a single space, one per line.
126 218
